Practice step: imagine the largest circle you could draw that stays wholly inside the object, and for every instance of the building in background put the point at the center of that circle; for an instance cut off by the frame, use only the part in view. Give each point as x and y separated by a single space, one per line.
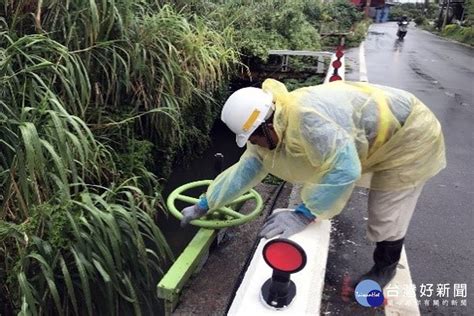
379 10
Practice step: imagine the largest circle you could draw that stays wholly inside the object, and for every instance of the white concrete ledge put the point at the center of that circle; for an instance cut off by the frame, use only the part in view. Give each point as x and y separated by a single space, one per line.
309 281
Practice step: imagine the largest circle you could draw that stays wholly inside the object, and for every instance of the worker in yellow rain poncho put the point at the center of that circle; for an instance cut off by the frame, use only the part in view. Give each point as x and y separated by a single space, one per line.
325 137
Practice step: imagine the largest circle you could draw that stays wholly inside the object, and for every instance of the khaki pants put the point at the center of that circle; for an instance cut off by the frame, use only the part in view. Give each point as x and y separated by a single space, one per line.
390 213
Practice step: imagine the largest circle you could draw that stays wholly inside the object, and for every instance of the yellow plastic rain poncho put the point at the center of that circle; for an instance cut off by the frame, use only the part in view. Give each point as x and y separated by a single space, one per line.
331 134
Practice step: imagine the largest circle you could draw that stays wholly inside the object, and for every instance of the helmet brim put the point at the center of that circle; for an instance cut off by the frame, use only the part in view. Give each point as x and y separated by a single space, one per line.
241 140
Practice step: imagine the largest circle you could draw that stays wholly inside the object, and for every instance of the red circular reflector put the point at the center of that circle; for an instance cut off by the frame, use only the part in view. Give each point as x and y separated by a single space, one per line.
284 255
339 54
334 78
336 64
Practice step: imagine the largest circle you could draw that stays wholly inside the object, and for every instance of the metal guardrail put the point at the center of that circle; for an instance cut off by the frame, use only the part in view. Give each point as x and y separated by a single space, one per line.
287 53
336 59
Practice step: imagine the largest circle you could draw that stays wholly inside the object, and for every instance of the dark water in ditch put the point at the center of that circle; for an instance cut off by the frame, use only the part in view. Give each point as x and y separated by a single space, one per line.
203 167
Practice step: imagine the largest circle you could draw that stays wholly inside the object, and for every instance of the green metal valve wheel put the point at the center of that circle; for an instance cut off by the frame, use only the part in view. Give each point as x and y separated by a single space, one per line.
219 218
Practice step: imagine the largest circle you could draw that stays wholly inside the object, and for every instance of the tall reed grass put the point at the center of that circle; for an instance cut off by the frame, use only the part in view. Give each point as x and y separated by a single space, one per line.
78 81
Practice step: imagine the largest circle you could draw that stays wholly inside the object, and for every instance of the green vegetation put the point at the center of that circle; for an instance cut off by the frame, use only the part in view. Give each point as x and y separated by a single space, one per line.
271 179
339 15
415 12
469 5
463 34
98 99
90 92
464 30
263 25
292 84
296 24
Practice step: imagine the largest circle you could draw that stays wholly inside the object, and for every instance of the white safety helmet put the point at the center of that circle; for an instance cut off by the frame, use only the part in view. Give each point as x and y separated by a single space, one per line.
245 110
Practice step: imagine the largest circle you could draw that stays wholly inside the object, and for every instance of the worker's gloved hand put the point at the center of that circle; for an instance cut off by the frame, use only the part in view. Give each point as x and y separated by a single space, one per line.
194 211
286 223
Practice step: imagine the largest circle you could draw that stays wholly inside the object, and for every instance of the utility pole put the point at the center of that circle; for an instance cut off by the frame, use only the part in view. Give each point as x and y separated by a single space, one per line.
426 8
367 7
445 21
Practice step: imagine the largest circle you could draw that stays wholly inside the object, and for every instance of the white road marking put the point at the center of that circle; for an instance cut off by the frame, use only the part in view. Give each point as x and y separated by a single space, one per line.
400 294
362 64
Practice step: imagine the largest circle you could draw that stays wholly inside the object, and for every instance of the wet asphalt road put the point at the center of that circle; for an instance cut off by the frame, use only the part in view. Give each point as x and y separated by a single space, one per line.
439 243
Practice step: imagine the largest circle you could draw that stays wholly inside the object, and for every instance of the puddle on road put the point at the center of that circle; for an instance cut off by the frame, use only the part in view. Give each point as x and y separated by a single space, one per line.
420 73
376 33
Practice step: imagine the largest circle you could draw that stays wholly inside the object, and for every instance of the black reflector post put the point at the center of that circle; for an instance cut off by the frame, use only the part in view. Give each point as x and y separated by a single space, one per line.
279 290
284 257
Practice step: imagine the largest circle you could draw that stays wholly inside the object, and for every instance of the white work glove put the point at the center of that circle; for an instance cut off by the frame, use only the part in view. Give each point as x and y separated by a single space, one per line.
286 222
192 212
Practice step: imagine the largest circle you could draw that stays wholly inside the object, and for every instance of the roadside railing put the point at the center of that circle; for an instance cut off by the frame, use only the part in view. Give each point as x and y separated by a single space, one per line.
334 68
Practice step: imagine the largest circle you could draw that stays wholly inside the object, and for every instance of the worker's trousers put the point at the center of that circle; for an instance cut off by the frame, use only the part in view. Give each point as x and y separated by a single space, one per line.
390 213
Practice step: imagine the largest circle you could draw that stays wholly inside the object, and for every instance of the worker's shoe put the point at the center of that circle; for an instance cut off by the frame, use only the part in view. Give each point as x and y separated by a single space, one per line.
386 257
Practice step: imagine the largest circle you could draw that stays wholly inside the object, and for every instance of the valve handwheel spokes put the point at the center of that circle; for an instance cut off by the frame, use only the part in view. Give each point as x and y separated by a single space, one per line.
226 216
